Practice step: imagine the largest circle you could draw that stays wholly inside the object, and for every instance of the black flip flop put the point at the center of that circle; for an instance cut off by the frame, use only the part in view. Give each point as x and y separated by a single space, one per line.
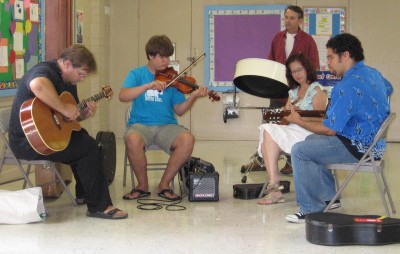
142 194
109 215
162 194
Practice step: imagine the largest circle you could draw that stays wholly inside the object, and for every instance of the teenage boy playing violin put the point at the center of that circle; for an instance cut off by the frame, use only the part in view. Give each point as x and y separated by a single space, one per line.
153 121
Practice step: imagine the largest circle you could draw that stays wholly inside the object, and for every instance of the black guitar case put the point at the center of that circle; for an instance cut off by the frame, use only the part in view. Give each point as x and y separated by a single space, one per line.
247 190
343 229
252 190
106 141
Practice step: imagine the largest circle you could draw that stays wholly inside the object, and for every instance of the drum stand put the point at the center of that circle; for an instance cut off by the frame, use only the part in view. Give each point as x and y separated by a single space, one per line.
262 78
231 108
231 111
249 166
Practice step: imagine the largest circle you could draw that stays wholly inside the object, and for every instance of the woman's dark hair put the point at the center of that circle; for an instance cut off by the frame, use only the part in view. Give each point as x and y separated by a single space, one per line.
306 63
159 44
347 42
80 56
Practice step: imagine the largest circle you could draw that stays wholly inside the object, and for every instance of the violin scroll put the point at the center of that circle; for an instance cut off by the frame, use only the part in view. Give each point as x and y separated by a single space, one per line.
213 96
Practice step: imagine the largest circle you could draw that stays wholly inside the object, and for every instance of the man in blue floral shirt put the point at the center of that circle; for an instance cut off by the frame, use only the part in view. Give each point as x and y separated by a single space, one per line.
359 105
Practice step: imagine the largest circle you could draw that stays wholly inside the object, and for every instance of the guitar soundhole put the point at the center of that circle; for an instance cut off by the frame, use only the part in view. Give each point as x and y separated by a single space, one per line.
55 119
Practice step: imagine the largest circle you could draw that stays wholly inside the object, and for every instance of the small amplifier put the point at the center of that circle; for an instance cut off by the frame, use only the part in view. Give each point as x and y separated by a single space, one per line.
203 186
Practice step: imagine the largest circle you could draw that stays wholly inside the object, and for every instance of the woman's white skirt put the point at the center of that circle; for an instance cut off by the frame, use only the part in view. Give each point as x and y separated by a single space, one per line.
284 135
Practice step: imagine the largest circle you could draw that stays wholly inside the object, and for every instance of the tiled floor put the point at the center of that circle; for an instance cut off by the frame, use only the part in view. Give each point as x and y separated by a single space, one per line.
228 226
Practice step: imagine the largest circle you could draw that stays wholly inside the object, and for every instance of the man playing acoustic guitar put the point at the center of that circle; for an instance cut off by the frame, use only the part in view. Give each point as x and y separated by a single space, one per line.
46 82
359 106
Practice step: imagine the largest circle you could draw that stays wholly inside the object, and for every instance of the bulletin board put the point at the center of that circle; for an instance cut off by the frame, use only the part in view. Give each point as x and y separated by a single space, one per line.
21 36
322 23
237 32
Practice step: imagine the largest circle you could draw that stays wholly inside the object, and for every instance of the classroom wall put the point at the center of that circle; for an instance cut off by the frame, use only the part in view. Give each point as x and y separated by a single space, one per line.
116 32
133 22
96 37
372 22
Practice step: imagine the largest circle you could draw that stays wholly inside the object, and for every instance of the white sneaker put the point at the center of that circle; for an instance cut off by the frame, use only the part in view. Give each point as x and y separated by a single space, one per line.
298 217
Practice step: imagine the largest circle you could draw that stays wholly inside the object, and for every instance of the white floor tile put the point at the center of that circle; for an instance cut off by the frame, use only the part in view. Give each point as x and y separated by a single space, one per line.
227 226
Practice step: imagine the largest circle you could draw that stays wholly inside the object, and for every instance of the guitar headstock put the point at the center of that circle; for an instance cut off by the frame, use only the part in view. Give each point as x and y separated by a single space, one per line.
107 91
277 115
273 115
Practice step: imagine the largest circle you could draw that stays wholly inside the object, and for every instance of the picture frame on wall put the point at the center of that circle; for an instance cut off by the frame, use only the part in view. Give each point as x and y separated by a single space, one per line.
79 26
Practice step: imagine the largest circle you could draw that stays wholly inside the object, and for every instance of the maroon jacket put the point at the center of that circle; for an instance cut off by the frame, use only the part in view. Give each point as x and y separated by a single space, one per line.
303 42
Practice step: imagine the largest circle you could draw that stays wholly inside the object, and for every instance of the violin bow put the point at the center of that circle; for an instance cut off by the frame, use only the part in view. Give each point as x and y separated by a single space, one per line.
186 69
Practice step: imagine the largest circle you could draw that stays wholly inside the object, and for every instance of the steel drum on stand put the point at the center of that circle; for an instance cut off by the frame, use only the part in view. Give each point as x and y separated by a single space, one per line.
261 77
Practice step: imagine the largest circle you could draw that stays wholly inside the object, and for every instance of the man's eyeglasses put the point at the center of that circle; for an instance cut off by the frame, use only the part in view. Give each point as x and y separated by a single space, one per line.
82 73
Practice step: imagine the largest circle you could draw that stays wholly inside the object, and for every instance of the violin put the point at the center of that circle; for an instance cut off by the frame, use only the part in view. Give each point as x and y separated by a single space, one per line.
181 82
185 85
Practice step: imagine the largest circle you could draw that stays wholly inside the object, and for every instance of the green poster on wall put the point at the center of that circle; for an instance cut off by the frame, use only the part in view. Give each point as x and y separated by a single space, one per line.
20 41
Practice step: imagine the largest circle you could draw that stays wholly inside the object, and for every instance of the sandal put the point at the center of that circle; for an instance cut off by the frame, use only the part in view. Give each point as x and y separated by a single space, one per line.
271 198
273 188
142 194
170 192
111 214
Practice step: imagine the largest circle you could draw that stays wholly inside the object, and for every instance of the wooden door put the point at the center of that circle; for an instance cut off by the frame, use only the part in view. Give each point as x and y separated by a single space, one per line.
58 27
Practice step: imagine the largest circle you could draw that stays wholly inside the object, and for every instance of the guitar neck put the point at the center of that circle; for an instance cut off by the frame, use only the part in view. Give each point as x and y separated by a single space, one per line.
308 113
275 116
94 98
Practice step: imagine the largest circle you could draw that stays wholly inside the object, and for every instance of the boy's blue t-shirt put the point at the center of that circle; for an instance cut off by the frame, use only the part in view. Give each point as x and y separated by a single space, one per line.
152 107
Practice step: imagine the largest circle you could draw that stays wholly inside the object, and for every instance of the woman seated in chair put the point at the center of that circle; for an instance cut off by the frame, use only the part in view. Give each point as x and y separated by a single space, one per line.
305 94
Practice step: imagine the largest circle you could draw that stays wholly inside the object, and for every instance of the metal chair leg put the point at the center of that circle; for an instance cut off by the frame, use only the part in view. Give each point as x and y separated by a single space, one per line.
73 199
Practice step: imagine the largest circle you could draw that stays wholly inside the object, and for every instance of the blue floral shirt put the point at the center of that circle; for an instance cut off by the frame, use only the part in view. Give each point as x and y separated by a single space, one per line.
359 105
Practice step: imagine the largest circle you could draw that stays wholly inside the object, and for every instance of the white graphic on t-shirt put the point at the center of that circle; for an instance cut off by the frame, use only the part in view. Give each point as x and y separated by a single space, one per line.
152 95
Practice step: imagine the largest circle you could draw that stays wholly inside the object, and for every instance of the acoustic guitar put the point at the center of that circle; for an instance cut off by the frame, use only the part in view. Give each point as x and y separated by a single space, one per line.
46 129
277 115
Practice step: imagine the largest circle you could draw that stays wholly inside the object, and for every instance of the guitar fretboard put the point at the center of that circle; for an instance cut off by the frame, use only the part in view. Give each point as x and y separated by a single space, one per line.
96 97
276 115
